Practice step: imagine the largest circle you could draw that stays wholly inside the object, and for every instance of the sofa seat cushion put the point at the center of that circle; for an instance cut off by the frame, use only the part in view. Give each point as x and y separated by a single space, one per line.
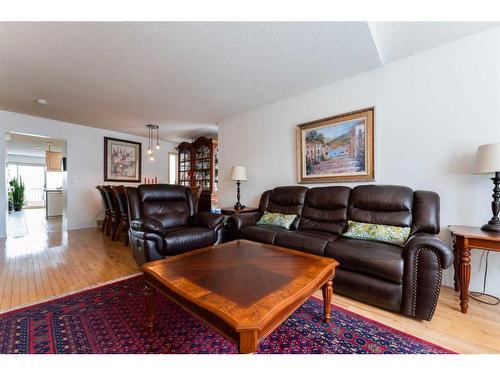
182 239
310 241
377 259
329 236
368 289
261 233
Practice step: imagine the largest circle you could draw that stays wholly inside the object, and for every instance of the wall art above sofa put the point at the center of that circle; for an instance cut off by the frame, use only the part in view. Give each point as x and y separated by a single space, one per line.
338 148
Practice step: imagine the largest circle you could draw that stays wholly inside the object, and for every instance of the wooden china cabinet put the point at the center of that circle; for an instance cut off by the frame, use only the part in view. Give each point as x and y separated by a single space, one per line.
198 166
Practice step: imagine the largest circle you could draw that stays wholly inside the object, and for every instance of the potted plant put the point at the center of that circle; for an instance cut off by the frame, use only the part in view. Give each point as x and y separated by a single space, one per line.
17 186
11 202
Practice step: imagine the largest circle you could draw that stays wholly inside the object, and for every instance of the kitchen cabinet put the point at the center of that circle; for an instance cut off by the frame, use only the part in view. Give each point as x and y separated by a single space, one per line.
53 161
54 203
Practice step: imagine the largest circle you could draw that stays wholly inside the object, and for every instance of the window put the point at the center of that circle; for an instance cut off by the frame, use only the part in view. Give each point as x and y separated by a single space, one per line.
172 168
33 177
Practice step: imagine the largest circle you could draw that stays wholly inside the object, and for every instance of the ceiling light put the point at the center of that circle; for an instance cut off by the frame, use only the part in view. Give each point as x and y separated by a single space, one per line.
151 129
157 138
41 101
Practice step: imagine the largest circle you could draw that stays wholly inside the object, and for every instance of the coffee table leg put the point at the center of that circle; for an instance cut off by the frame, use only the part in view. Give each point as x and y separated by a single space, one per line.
150 297
248 342
327 300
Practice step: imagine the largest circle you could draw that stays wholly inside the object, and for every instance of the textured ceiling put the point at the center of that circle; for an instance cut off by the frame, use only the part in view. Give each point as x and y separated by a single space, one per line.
188 76
402 39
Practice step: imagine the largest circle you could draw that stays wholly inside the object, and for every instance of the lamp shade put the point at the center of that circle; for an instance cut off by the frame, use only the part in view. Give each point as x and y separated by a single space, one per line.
238 173
488 158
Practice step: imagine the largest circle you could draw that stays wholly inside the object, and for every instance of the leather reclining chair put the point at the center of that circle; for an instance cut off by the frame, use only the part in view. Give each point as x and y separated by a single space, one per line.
164 222
402 279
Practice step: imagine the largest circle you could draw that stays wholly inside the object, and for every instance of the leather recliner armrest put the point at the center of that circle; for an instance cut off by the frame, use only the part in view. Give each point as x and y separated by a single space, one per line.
238 221
148 225
208 220
425 256
430 241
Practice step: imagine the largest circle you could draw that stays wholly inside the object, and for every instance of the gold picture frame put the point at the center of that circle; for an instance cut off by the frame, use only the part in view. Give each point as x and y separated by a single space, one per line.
337 148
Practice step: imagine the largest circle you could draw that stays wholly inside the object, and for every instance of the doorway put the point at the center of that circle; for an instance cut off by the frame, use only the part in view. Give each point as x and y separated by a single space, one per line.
36 198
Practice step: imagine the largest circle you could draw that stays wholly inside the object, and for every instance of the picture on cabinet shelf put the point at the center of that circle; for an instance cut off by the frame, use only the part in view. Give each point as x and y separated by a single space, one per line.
122 160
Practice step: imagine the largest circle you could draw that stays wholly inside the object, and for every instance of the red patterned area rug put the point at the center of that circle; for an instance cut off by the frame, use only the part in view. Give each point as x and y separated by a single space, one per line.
111 319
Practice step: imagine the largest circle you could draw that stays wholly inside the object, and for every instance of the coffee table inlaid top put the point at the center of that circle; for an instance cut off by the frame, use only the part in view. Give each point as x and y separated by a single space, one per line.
241 281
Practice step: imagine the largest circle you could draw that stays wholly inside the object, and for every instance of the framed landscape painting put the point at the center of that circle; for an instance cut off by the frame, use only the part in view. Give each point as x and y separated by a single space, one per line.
338 148
122 160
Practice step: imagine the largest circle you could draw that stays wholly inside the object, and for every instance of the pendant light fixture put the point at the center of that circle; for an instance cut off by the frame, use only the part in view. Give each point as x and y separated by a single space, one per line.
157 138
151 129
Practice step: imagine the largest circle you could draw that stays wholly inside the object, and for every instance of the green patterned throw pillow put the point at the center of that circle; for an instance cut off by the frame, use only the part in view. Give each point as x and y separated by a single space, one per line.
274 218
377 232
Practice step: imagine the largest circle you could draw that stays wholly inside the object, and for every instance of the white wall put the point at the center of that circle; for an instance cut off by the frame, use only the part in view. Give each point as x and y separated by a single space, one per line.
432 111
25 159
85 163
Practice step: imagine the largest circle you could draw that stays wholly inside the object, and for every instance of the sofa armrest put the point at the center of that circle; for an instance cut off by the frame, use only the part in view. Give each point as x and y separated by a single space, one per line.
208 220
432 242
148 225
425 257
237 221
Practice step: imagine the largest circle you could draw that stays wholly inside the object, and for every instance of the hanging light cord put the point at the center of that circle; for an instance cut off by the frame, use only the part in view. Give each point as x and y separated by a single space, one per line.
149 138
476 295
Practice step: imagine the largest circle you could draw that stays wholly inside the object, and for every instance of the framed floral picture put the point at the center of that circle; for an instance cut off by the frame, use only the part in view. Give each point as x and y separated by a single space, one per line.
122 160
338 148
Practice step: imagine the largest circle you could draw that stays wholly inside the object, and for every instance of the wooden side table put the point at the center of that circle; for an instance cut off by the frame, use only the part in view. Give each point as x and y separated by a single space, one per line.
232 210
466 239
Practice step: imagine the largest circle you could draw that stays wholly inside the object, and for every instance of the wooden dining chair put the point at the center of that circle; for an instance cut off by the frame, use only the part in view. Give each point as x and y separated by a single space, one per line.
107 211
114 216
120 198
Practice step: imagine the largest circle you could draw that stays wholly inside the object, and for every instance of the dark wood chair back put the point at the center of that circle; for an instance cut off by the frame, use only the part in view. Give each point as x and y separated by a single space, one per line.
108 192
103 196
121 200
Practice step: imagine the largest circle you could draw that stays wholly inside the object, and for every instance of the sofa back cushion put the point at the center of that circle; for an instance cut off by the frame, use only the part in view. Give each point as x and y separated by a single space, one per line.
381 204
284 200
426 212
325 209
172 205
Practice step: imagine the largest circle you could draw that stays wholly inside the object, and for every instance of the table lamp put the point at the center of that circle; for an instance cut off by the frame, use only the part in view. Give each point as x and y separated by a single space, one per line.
488 161
238 174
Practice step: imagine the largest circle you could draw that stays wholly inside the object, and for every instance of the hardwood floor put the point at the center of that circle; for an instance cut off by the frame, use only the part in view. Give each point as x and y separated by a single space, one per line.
30 221
48 261
45 264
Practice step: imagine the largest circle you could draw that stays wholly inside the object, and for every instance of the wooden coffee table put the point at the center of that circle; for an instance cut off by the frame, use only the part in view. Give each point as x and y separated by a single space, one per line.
242 289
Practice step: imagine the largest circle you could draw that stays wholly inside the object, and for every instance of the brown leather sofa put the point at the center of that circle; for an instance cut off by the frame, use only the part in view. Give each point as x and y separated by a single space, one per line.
402 279
164 221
